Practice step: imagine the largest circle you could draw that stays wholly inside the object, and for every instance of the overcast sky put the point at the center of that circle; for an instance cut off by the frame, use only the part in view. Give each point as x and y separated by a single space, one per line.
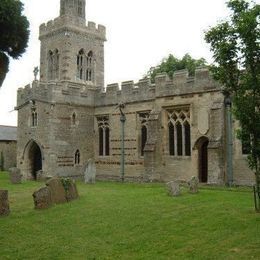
139 34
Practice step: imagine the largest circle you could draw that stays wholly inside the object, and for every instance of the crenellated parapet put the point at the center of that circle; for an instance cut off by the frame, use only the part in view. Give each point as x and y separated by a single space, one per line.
144 90
63 92
129 92
67 23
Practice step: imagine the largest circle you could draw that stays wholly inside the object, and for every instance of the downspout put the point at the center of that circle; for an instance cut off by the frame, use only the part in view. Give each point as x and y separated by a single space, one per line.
121 106
229 141
122 162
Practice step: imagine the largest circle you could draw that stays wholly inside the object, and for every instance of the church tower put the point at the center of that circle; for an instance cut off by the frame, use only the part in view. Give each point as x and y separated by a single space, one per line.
73 8
70 49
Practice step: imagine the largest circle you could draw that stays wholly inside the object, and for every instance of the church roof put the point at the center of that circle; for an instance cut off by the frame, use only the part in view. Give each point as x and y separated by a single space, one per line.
8 133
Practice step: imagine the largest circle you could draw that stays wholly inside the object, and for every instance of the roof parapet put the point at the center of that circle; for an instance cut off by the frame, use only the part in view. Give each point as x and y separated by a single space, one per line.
143 90
71 23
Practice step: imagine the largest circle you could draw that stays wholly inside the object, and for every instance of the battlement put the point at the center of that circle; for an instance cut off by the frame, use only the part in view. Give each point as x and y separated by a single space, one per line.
72 24
144 90
129 92
56 92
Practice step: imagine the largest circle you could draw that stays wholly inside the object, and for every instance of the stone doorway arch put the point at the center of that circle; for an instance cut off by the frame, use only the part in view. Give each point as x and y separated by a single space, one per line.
33 159
202 147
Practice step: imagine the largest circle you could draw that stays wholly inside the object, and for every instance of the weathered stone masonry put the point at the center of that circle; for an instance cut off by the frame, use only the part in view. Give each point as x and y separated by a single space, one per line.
175 128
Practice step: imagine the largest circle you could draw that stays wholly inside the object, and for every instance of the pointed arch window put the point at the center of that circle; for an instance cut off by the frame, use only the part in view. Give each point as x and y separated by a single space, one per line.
171 138
50 62
80 63
62 8
80 8
143 119
187 138
179 137
77 157
143 139
103 135
34 118
53 64
85 66
56 64
73 119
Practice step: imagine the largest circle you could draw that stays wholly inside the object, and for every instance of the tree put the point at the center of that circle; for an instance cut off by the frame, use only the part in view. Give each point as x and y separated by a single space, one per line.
14 31
236 50
172 64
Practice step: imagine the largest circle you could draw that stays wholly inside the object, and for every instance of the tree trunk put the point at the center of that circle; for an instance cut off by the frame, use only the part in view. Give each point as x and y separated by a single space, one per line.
257 191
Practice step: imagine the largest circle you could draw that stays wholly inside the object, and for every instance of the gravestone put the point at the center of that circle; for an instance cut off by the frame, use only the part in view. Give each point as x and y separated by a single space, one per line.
42 198
15 175
193 184
173 188
72 192
58 194
90 172
4 203
57 190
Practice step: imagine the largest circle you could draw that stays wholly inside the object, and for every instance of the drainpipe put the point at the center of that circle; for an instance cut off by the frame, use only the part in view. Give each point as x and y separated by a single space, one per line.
122 159
122 119
229 141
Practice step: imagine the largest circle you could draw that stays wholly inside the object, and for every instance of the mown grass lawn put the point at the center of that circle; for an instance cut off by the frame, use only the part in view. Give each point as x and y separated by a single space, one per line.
131 221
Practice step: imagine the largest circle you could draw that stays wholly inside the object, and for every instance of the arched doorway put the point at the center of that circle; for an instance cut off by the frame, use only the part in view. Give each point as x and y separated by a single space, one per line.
202 146
33 159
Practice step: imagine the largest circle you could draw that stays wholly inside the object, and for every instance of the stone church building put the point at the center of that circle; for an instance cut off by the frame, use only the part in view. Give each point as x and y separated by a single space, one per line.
174 128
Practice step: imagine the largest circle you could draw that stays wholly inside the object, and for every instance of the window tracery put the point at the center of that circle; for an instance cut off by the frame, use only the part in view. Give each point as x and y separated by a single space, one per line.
34 118
85 66
103 135
77 157
53 64
179 131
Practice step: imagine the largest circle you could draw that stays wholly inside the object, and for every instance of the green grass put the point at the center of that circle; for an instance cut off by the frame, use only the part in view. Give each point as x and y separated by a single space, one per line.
131 221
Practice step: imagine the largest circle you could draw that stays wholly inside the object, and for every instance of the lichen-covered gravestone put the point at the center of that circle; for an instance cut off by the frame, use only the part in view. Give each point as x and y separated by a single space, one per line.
15 175
193 184
4 203
90 172
58 194
173 188
71 191
57 190
42 198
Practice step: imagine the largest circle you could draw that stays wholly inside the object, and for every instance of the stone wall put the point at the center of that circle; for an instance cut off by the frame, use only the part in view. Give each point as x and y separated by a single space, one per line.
169 167
241 173
69 40
59 139
57 136
67 133
68 137
8 148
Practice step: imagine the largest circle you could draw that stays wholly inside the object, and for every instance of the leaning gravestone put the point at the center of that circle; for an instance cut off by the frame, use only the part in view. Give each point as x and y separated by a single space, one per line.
57 190
193 184
58 194
90 172
42 198
15 175
173 188
4 203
